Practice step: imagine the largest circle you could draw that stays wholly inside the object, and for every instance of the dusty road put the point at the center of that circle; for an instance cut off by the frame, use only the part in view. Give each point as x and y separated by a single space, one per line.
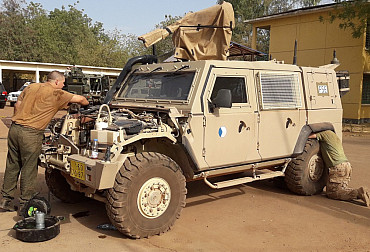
252 217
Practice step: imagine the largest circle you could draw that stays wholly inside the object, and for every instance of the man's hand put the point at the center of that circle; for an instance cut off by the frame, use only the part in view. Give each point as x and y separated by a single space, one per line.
313 135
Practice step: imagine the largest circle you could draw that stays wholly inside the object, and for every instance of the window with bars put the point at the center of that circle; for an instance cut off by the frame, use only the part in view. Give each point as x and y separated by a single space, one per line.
280 90
366 89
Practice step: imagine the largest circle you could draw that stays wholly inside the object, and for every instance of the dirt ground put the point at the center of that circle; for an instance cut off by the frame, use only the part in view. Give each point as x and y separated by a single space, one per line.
252 217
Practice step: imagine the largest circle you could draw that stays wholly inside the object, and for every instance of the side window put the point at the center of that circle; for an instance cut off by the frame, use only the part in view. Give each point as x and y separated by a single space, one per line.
280 91
367 41
366 89
235 84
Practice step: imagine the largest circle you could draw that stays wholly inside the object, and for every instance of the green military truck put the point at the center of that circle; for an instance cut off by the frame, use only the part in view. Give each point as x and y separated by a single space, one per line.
93 86
163 125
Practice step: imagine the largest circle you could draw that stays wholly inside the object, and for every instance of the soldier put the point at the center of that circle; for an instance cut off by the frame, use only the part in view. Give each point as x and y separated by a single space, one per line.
36 106
339 169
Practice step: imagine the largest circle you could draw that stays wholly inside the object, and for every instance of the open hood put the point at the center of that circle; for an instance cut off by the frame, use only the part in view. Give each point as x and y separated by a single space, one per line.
201 35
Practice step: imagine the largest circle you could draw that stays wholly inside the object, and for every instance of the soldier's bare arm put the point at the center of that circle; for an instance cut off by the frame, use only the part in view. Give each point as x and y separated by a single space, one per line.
79 99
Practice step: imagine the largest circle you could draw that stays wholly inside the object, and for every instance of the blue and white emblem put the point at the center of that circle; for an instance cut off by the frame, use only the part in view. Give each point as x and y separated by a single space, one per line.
222 131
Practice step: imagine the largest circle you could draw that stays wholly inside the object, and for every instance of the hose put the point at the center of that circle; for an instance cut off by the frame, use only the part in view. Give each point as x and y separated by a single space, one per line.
145 59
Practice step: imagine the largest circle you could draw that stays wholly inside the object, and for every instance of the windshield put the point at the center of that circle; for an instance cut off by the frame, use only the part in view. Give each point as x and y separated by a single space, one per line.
158 86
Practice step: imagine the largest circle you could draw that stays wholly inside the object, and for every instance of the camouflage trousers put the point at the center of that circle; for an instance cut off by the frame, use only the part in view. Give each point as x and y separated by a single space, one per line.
24 147
337 184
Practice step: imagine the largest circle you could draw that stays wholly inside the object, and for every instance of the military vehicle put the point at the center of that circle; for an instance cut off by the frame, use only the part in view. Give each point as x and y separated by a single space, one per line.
165 124
93 86
169 123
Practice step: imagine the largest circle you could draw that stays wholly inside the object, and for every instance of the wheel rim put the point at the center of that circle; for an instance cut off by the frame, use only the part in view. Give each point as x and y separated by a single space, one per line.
316 168
154 198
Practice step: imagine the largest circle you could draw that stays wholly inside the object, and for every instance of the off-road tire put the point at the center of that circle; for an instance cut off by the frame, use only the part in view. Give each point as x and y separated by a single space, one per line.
12 104
125 207
298 177
60 188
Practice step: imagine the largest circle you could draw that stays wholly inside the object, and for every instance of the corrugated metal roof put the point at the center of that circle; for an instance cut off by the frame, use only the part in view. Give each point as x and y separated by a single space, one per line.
241 50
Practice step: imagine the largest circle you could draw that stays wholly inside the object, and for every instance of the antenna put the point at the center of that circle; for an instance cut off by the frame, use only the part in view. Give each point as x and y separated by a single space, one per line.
295 53
154 49
335 60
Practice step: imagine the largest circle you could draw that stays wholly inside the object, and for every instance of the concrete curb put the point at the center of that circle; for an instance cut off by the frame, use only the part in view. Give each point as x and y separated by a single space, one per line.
356 128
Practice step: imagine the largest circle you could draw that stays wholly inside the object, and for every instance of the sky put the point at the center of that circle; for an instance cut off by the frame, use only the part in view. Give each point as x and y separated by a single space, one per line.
135 17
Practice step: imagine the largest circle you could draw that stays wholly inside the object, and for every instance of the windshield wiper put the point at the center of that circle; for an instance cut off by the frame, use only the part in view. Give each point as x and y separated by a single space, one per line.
182 68
156 69
176 72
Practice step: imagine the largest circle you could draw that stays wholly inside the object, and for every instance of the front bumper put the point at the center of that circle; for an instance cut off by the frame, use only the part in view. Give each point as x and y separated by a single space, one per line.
12 98
96 174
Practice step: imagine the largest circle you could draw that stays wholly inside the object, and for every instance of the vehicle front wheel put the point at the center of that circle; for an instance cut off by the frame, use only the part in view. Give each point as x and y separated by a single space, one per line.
306 174
60 188
148 195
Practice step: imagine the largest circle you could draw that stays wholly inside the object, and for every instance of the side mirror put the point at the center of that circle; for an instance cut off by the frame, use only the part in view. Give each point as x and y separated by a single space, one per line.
222 99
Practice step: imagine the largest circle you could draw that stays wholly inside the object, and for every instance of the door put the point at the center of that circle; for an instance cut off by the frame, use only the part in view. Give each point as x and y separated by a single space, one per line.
282 113
321 90
230 134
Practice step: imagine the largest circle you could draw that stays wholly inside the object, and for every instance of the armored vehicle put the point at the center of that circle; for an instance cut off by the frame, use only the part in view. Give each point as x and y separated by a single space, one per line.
93 86
165 124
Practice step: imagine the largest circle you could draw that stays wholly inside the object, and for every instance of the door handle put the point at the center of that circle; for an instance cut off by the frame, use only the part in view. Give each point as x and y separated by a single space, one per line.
288 122
243 125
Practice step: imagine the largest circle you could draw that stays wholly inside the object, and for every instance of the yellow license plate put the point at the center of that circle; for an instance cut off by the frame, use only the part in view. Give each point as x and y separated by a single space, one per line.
77 170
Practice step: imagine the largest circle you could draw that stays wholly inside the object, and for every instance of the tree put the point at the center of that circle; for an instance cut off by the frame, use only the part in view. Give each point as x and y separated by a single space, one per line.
165 46
65 35
353 15
15 34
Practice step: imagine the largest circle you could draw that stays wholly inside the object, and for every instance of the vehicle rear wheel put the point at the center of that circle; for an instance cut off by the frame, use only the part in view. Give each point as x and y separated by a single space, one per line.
306 174
2 105
12 104
148 195
60 188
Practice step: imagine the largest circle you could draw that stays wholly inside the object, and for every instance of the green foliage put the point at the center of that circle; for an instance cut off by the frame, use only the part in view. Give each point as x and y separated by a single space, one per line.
353 15
67 35
165 47
64 35
14 32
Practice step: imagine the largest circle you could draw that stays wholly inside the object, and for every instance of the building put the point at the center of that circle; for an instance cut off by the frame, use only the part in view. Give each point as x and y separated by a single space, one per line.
38 72
316 42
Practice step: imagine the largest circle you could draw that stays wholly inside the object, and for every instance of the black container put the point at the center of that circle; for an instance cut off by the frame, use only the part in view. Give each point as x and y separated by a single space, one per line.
26 229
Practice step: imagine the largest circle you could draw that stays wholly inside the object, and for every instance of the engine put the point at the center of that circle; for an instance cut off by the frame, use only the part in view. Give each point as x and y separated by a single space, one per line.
74 132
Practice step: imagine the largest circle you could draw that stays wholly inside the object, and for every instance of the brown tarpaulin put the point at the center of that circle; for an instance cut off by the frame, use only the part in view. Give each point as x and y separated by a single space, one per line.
202 35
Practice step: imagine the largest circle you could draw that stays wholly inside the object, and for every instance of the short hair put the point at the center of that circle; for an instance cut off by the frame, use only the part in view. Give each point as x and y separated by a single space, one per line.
54 75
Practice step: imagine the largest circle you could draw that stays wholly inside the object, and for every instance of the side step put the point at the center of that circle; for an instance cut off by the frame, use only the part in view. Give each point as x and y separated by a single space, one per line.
243 180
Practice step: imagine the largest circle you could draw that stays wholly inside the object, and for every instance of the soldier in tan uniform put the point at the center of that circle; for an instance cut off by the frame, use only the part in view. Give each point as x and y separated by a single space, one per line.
36 106
339 169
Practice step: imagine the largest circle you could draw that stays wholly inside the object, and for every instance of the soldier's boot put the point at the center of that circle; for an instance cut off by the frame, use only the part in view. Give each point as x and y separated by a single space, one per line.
364 195
5 205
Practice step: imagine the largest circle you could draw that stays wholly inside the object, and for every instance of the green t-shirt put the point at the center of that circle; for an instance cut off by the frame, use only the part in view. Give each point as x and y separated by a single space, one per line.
331 148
